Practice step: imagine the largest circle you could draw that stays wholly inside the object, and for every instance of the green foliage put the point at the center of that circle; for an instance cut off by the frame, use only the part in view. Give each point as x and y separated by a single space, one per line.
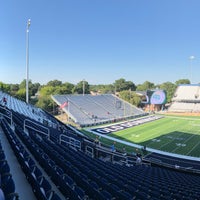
54 83
182 81
170 89
33 88
55 87
145 86
4 87
130 97
82 87
122 84
68 87
21 94
14 88
45 103
103 89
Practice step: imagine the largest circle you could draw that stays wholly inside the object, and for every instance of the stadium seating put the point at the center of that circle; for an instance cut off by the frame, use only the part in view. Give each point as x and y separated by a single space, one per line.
40 185
187 92
89 110
7 185
47 162
173 161
186 99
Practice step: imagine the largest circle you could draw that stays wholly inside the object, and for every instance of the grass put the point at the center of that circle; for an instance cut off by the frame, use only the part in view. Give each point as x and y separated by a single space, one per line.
179 135
174 134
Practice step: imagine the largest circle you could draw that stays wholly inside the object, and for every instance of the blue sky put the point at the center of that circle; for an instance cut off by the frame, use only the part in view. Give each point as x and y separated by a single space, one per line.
100 40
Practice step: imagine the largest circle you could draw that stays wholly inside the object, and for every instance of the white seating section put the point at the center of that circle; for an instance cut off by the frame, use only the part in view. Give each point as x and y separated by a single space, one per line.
186 99
90 110
187 92
23 108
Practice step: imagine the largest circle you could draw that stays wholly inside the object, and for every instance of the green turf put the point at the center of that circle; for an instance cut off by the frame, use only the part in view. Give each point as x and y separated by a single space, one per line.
179 135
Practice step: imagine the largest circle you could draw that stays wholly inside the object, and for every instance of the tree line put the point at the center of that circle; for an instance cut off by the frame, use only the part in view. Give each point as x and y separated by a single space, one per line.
40 95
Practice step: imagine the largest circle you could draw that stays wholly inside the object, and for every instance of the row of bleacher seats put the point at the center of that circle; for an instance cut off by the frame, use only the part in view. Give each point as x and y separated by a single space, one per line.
54 134
57 167
52 171
89 109
80 177
117 178
184 107
98 180
187 92
173 161
186 99
28 110
7 185
40 186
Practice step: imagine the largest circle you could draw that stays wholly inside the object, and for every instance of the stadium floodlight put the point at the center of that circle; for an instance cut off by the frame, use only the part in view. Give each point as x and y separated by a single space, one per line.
27 59
191 59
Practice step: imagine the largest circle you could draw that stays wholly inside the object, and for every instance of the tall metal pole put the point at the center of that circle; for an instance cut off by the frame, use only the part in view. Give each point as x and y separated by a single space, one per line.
27 59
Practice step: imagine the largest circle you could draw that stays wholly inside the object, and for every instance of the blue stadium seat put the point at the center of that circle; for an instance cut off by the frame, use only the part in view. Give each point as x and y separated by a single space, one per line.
2 155
43 189
4 167
106 195
55 197
2 196
80 192
8 187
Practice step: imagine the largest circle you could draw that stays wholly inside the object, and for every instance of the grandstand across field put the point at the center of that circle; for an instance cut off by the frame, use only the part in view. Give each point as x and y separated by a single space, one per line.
88 110
186 99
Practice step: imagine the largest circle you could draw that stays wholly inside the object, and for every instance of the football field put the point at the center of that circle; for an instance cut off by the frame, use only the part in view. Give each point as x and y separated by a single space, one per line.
179 135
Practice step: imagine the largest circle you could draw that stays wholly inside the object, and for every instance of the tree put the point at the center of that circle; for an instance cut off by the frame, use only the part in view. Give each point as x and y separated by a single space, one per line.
4 87
103 89
21 94
68 87
82 87
121 84
33 88
145 86
45 103
182 81
54 83
14 87
169 88
130 96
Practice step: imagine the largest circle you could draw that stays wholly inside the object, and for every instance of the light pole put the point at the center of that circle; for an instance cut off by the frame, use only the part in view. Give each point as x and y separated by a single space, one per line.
27 58
191 59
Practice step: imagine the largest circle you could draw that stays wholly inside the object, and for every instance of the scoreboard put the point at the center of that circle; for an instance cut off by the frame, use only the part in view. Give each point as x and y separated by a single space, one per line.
158 97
